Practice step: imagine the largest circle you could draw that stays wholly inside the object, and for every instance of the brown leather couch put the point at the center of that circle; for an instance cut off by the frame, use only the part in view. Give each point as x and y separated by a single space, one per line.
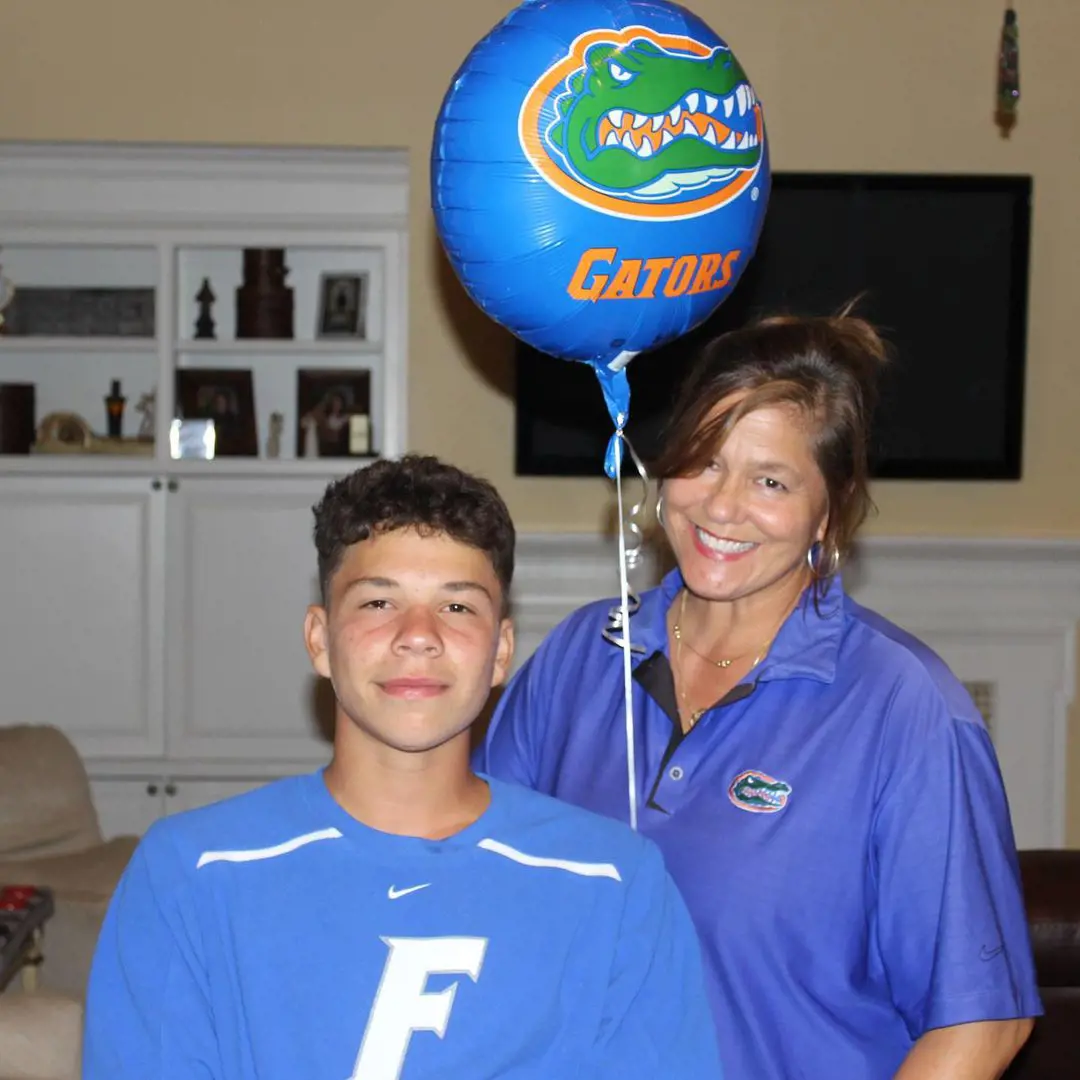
1052 894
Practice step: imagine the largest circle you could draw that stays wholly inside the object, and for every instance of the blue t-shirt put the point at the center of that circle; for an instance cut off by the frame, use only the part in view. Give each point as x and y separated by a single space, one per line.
837 825
273 936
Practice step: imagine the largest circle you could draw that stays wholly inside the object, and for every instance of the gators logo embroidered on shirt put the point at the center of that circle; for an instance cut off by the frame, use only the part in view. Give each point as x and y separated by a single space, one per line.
644 125
758 793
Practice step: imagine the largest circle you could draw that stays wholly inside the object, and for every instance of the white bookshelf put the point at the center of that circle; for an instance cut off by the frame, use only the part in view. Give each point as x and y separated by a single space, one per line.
153 607
166 218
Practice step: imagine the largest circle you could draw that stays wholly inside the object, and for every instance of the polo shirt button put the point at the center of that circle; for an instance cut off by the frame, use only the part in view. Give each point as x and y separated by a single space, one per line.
676 773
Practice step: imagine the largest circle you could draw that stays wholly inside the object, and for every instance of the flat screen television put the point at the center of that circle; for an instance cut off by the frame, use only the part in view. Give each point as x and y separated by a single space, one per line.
941 262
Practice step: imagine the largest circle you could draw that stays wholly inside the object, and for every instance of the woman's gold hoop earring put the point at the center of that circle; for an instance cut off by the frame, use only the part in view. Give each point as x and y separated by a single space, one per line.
818 568
660 510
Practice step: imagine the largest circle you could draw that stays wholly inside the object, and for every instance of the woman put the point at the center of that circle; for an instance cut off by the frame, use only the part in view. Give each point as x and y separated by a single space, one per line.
822 787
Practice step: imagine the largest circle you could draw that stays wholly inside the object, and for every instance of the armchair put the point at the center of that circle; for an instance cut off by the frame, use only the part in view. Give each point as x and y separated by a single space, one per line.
50 836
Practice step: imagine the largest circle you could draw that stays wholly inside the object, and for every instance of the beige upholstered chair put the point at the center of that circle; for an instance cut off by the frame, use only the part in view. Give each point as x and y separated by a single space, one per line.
40 1036
50 836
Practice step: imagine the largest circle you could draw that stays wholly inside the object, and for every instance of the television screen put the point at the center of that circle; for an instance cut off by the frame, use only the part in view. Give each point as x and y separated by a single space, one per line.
941 264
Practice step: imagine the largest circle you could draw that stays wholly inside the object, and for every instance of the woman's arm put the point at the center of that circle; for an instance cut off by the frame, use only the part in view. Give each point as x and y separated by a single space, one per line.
951 921
979 1051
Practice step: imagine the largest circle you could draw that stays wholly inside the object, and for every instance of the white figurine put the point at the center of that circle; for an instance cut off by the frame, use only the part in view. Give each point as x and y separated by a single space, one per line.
311 436
7 294
146 407
273 440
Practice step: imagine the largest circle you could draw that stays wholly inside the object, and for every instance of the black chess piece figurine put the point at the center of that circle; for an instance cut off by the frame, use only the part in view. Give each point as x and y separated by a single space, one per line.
204 324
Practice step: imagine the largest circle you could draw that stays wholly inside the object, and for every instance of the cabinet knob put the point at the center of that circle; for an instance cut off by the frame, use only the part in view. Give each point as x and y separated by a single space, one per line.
151 789
170 789
174 485
155 484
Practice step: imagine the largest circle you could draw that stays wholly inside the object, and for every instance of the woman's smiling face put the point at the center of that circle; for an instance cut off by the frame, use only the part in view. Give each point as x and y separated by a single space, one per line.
746 522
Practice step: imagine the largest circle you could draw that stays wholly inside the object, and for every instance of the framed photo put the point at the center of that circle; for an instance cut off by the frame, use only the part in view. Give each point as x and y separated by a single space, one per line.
333 412
80 312
226 397
343 305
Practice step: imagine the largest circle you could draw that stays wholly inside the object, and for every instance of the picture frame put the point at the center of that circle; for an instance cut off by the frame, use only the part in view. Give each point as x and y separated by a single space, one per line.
343 301
333 413
225 396
36 311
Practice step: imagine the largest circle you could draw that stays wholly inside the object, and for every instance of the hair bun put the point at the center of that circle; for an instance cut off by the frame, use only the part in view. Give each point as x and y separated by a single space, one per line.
860 345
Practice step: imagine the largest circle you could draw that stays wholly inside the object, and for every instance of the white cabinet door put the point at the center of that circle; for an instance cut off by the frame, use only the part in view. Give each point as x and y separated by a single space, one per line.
80 610
190 794
128 806
241 574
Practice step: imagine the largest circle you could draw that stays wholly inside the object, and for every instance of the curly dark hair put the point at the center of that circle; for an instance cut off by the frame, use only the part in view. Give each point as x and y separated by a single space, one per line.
413 492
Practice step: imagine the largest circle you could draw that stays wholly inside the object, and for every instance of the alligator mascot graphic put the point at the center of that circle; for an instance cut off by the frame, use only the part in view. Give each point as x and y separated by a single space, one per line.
644 125
758 792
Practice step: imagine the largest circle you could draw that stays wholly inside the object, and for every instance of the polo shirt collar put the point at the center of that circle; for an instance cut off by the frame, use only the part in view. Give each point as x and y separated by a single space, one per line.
807 645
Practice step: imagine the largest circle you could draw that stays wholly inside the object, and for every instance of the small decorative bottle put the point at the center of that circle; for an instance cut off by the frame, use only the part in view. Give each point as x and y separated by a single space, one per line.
114 410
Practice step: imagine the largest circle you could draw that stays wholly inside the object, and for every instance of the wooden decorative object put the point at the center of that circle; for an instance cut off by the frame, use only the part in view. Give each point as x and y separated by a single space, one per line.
264 303
69 433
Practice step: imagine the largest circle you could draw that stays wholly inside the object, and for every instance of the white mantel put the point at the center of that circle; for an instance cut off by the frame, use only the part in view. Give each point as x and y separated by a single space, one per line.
1002 613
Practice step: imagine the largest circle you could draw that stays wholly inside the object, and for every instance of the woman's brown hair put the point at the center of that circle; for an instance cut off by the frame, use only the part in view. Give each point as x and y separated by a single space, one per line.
826 366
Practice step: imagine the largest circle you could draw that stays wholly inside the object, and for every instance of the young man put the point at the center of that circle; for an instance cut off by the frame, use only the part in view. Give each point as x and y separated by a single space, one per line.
396 916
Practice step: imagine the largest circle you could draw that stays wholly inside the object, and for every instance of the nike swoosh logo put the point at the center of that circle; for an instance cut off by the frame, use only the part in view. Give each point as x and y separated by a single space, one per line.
989 954
396 894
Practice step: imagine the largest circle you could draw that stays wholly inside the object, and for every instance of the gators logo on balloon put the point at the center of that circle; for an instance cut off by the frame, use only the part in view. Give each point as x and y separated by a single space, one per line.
645 125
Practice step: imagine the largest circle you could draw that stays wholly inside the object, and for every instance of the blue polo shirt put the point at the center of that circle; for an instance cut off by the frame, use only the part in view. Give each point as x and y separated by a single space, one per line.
837 825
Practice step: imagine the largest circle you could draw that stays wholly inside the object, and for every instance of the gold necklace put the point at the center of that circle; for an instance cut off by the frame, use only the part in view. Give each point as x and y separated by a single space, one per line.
722 664
694 715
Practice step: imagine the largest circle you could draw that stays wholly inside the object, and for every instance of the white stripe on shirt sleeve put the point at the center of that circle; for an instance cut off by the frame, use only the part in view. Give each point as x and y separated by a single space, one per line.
253 854
585 869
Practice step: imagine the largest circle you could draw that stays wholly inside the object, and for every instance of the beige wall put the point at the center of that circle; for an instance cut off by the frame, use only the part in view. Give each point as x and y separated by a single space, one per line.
847 84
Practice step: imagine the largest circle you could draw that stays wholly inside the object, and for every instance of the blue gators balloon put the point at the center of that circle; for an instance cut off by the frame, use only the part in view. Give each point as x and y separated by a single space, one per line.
600 177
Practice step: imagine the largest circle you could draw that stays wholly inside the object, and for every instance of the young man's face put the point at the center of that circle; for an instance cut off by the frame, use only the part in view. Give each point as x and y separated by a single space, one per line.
413 638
